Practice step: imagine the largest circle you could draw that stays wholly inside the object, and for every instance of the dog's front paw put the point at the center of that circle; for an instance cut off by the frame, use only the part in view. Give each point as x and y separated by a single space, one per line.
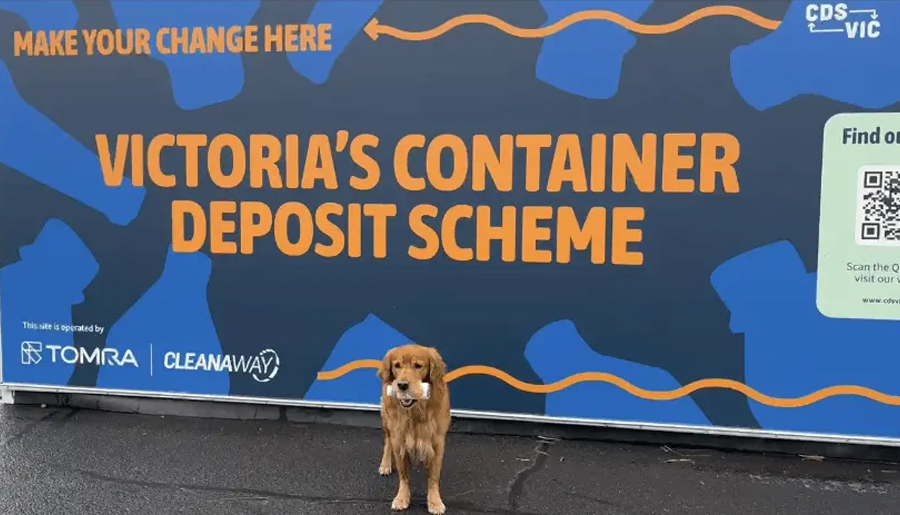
436 506
385 469
401 502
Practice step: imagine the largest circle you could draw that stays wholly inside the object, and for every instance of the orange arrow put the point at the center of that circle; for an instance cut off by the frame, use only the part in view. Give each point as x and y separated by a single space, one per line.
374 28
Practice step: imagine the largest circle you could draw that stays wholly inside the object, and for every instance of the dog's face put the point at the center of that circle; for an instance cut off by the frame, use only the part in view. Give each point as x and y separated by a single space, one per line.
405 368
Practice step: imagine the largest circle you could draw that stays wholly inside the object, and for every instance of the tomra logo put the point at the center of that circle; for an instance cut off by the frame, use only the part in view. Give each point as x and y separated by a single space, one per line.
80 356
263 367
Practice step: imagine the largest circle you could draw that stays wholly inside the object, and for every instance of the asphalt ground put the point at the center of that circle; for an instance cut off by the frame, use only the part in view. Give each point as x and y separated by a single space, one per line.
80 462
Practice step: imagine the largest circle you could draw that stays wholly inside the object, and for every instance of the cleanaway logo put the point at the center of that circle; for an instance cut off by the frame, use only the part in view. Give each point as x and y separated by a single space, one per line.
263 367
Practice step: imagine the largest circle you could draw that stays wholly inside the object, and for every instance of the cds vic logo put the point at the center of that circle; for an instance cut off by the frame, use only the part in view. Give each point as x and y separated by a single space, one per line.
263 367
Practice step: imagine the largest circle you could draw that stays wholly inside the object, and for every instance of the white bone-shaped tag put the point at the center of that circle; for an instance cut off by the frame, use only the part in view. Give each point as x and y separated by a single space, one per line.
426 390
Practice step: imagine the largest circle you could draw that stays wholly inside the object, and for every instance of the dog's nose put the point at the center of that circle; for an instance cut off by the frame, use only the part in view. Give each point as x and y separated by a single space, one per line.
403 385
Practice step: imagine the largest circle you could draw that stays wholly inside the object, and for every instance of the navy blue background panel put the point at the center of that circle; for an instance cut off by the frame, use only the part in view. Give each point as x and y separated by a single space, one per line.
717 326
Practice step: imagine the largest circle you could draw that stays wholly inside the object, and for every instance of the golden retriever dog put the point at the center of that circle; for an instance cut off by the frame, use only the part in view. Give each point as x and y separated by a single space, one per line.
415 427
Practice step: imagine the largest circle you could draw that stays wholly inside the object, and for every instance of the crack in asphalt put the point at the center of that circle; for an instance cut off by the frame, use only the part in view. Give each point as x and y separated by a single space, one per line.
517 486
31 426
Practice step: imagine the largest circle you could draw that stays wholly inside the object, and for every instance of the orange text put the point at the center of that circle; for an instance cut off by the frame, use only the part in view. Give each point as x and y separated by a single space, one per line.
530 234
670 163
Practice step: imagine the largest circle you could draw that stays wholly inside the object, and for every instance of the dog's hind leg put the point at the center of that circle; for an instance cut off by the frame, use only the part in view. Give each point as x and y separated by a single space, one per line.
385 468
435 504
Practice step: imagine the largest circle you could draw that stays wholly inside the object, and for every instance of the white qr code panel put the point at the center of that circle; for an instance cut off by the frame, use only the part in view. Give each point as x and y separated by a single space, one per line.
878 206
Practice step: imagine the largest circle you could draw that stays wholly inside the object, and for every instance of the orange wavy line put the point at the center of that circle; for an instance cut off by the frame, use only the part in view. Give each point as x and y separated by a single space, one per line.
662 395
374 28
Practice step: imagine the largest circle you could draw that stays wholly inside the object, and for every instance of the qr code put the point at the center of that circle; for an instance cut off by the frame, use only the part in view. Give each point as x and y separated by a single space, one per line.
878 206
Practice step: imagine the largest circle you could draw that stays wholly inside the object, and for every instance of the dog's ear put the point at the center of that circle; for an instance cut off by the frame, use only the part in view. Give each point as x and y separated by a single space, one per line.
386 371
436 367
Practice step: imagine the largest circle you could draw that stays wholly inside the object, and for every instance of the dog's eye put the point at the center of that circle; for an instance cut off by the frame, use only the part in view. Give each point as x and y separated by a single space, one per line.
396 365
417 365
